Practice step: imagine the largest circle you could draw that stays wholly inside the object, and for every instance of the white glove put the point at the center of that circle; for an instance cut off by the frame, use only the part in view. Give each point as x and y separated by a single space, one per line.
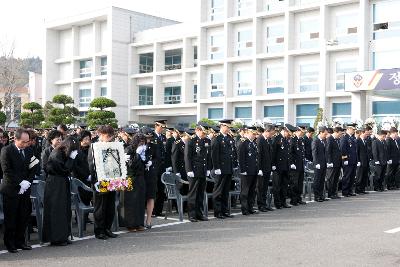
358 164
377 163
329 165
217 172
89 178
345 163
244 173
318 166
190 174
273 168
140 149
293 167
208 173
169 169
127 157
21 191
73 154
149 163
178 174
389 161
260 173
25 185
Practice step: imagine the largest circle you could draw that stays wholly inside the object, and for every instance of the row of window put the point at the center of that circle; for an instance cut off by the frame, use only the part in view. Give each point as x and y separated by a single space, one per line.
85 96
86 67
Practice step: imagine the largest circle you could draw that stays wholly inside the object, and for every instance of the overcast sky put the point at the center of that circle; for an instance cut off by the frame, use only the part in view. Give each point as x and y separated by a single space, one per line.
22 21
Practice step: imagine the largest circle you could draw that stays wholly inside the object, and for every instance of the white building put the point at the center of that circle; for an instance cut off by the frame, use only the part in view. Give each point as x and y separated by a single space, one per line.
247 59
35 87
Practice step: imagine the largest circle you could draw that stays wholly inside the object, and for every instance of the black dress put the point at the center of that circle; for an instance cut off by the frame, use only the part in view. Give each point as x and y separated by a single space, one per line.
150 174
132 204
57 198
81 172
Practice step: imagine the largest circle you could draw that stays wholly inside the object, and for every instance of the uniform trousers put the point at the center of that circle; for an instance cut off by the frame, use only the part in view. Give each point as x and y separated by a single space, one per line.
197 187
247 192
220 193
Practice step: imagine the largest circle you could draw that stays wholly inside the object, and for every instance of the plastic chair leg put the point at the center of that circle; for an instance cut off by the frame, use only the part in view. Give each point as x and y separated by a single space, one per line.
205 204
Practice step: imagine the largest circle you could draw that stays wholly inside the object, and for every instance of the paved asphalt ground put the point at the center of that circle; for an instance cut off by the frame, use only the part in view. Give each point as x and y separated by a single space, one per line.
343 232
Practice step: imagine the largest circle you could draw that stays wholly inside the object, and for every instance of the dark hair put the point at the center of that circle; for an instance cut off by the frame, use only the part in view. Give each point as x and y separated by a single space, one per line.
84 134
18 133
368 128
106 129
310 130
330 130
393 130
337 129
53 134
63 127
68 145
137 138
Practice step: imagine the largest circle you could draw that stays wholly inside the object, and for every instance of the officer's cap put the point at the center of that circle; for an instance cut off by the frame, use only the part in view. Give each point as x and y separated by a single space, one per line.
290 127
162 123
190 131
129 130
203 125
351 125
147 131
215 129
226 122
252 129
269 127
179 129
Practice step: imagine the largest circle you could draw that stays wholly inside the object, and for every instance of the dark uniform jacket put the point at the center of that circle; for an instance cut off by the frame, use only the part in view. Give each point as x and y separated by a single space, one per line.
307 148
393 150
197 156
297 153
281 153
248 157
159 143
264 154
168 148
379 151
318 152
178 157
333 152
223 150
348 146
362 152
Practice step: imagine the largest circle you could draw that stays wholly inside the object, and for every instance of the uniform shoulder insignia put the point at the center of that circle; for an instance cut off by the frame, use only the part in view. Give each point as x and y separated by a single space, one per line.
177 141
242 139
193 137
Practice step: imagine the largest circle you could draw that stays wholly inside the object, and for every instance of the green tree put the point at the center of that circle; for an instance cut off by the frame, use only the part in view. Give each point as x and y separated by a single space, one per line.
57 115
63 100
319 118
97 114
3 117
204 120
34 117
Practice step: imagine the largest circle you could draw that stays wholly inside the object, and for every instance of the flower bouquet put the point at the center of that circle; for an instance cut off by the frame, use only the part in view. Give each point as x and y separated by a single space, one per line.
115 184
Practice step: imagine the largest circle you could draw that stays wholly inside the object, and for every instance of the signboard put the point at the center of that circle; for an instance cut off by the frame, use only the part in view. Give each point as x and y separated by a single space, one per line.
386 79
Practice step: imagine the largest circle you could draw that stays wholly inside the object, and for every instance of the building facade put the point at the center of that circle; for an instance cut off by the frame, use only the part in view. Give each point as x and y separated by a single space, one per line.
246 59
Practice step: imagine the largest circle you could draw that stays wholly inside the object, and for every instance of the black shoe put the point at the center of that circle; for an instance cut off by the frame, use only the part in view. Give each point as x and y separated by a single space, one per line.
227 215
24 247
101 236
110 234
286 206
219 216
365 193
278 207
69 242
262 209
59 244
301 202
352 194
325 199
293 203
245 213
318 200
253 212
202 218
158 215
12 250
193 219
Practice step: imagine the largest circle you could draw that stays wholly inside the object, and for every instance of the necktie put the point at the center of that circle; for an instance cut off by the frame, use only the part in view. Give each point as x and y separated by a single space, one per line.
21 152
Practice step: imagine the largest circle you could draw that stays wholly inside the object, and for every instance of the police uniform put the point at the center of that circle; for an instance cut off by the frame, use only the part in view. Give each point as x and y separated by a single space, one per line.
348 147
297 157
178 162
319 161
334 159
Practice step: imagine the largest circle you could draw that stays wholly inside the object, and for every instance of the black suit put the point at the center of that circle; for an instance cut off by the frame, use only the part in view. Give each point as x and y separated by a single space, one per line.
333 156
159 142
265 161
17 208
280 180
178 163
307 148
223 150
362 170
393 169
168 152
379 153
297 158
319 158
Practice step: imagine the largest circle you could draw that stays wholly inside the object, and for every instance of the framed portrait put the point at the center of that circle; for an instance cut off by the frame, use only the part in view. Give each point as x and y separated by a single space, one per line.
109 158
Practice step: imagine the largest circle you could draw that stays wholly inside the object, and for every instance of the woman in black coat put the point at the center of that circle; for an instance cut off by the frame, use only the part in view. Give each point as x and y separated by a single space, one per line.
54 140
57 194
132 207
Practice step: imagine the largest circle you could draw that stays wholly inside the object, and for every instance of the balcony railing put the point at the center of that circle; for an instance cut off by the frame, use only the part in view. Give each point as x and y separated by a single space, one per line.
103 70
145 68
173 67
145 100
304 2
172 99
85 72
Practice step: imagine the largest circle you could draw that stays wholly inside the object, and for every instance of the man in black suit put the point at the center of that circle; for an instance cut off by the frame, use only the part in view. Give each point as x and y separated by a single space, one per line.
334 162
348 146
296 161
379 153
362 172
264 144
393 159
308 138
19 166
319 161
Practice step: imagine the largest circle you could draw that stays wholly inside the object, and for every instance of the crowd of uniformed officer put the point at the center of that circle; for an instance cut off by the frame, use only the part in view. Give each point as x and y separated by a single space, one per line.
277 155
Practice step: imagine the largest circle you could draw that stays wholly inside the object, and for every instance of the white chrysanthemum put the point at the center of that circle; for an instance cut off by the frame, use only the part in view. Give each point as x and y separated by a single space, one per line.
267 121
370 122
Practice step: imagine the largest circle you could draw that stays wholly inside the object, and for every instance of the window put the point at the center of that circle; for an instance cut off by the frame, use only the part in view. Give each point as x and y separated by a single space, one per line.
275 79
275 38
309 77
217 84
244 7
217 9
346 28
341 111
216 46
82 114
386 20
172 95
243 113
386 59
342 67
244 43
243 82
274 5
274 113
84 97
173 59
195 93
381 109
306 113
103 91
215 113
145 95
195 56
85 68
309 33
103 66
146 63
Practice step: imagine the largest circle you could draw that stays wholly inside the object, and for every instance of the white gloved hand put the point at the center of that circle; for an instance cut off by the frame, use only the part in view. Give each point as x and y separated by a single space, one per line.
140 149
260 173
178 174
169 169
345 163
293 167
73 154
244 173
318 166
329 165
25 185
21 191
127 157
389 161
149 163
358 164
377 163
208 173
273 168
89 178
217 172
190 174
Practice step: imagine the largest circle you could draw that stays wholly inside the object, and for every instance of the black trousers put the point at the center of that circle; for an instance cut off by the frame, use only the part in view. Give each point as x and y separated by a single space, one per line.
296 185
393 173
380 171
247 192
104 211
362 174
332 176
349 175
319 182
197 187
17 210
262 189
160 194
220 193
280 183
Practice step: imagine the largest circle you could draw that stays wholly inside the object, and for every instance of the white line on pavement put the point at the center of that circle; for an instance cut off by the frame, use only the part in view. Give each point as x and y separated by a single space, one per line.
393 231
